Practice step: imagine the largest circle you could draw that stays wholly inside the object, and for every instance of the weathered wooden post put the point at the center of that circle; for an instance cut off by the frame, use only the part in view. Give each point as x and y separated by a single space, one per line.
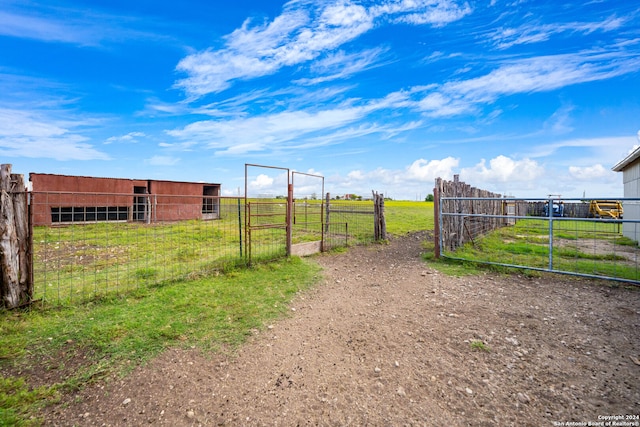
436 218
16 287
380 225
327 210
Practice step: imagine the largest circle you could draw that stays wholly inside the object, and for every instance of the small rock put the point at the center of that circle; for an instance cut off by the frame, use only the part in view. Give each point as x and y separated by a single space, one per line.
191 414
126 401
377 370
523 398
401 392
469 391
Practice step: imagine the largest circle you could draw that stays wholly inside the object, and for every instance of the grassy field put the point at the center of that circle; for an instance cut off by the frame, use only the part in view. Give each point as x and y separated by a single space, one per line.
201 307
81 262
404 217
582 247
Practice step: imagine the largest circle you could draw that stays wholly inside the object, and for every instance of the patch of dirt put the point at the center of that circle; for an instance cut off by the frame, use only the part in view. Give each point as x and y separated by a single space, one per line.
385 340
627 254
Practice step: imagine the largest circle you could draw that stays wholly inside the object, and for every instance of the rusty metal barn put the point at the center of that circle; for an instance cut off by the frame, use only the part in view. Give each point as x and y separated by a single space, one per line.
60 199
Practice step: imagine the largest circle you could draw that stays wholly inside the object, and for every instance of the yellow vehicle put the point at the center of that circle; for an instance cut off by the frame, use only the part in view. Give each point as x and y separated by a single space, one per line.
608 209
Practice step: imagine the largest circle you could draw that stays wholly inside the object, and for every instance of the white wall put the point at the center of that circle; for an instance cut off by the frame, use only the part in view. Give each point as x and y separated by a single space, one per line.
631 179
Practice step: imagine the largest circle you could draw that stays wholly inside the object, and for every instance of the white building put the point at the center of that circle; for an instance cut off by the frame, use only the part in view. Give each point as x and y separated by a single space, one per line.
630 168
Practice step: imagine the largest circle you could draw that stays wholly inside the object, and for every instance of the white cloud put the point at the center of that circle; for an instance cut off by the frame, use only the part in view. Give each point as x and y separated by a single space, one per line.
272 131
503 169
304 31
429 170
82 26
437 14
589 173
162 161
340 65
36 134
537 74
505 38
560 121
604 150
42 28
262 181
130 137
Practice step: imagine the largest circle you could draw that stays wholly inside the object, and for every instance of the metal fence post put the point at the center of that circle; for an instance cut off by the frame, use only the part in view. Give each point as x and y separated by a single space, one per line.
550 213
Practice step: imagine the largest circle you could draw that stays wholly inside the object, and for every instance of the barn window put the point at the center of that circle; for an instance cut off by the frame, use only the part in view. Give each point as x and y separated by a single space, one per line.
89 213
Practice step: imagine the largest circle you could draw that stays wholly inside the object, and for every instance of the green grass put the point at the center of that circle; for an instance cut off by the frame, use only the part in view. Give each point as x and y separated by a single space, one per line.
170 291
89 342
479 346
407 216
578 247
81 262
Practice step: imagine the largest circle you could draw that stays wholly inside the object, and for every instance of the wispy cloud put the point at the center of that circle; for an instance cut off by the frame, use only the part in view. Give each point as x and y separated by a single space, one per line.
536 74
131 137
340 65
303 32
162 161
303 126
21 25
505 38
83 27
34 134
270 131
611 147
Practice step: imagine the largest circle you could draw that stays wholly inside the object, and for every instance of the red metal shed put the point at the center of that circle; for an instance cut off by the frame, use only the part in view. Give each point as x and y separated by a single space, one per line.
70 199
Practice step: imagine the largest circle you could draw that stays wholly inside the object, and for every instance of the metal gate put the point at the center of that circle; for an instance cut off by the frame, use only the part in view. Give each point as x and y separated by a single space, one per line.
282 226
550 234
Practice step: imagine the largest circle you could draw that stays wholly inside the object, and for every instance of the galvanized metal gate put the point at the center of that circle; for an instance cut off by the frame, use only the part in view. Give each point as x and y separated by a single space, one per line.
547 234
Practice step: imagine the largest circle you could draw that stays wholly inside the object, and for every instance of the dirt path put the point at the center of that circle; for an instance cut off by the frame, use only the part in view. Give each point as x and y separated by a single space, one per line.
386 341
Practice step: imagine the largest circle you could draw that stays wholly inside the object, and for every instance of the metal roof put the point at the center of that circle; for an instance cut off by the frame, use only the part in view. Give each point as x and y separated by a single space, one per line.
632 157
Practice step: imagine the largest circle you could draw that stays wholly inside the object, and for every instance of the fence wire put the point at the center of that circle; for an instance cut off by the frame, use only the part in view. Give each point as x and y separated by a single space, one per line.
88 246
523 237
82 259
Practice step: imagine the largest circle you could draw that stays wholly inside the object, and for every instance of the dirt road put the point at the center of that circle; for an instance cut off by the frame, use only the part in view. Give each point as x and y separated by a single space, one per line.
387 341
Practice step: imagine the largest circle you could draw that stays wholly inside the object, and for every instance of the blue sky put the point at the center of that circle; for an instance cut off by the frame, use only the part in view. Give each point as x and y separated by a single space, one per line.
525 98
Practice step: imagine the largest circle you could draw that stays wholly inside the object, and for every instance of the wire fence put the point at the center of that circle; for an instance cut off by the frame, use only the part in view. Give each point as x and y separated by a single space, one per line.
88 246
525 234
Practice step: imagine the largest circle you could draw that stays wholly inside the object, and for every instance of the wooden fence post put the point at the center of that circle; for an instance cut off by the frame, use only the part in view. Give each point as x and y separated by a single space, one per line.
380 224
327 211
16 286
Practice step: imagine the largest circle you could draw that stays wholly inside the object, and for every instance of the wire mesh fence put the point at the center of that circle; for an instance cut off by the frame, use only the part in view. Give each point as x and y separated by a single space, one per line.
349 222
82 257
87 246
528 236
